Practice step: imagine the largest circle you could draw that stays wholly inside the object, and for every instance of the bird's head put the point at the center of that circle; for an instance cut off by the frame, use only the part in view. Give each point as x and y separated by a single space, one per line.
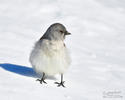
56 31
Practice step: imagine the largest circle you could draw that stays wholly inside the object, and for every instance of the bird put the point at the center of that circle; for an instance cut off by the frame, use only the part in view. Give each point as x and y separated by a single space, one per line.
50 55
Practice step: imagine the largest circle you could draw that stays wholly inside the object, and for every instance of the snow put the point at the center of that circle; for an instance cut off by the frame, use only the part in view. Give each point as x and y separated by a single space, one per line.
97 47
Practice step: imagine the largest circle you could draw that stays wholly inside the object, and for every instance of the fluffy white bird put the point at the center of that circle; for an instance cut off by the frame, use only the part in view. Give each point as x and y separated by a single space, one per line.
50 55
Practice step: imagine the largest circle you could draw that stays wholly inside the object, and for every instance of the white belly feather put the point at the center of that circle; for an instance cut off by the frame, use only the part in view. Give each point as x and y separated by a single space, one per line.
50 57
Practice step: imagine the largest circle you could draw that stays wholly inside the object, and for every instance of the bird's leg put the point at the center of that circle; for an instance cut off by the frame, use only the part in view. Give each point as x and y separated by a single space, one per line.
61 83
42 80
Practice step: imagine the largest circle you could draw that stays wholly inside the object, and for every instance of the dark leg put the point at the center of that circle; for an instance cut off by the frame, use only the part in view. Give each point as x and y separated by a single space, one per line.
61 83
42 80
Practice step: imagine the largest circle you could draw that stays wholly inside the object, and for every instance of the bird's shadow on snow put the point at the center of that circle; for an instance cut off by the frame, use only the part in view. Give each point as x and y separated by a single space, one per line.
22 70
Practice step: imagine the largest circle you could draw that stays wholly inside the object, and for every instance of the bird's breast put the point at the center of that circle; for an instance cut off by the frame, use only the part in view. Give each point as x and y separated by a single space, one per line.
57 45
54 48
50 57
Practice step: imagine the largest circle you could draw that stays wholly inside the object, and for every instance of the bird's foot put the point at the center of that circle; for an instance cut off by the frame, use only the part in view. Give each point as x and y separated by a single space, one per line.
60 84
41 81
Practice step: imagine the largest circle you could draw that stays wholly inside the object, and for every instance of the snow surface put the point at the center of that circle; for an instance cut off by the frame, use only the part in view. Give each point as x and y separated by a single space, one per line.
97 47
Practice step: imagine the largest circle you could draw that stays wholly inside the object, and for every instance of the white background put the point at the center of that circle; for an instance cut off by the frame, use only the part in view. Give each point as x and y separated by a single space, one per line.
97 47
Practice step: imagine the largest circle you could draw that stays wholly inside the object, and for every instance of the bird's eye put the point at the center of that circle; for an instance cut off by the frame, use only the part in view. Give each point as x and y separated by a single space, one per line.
61 31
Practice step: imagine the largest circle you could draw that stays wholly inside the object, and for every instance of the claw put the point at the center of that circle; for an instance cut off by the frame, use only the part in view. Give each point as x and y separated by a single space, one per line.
60 84
41 81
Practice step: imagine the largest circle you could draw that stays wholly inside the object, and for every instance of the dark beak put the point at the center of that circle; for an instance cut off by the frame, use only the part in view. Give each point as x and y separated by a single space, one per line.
67 33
